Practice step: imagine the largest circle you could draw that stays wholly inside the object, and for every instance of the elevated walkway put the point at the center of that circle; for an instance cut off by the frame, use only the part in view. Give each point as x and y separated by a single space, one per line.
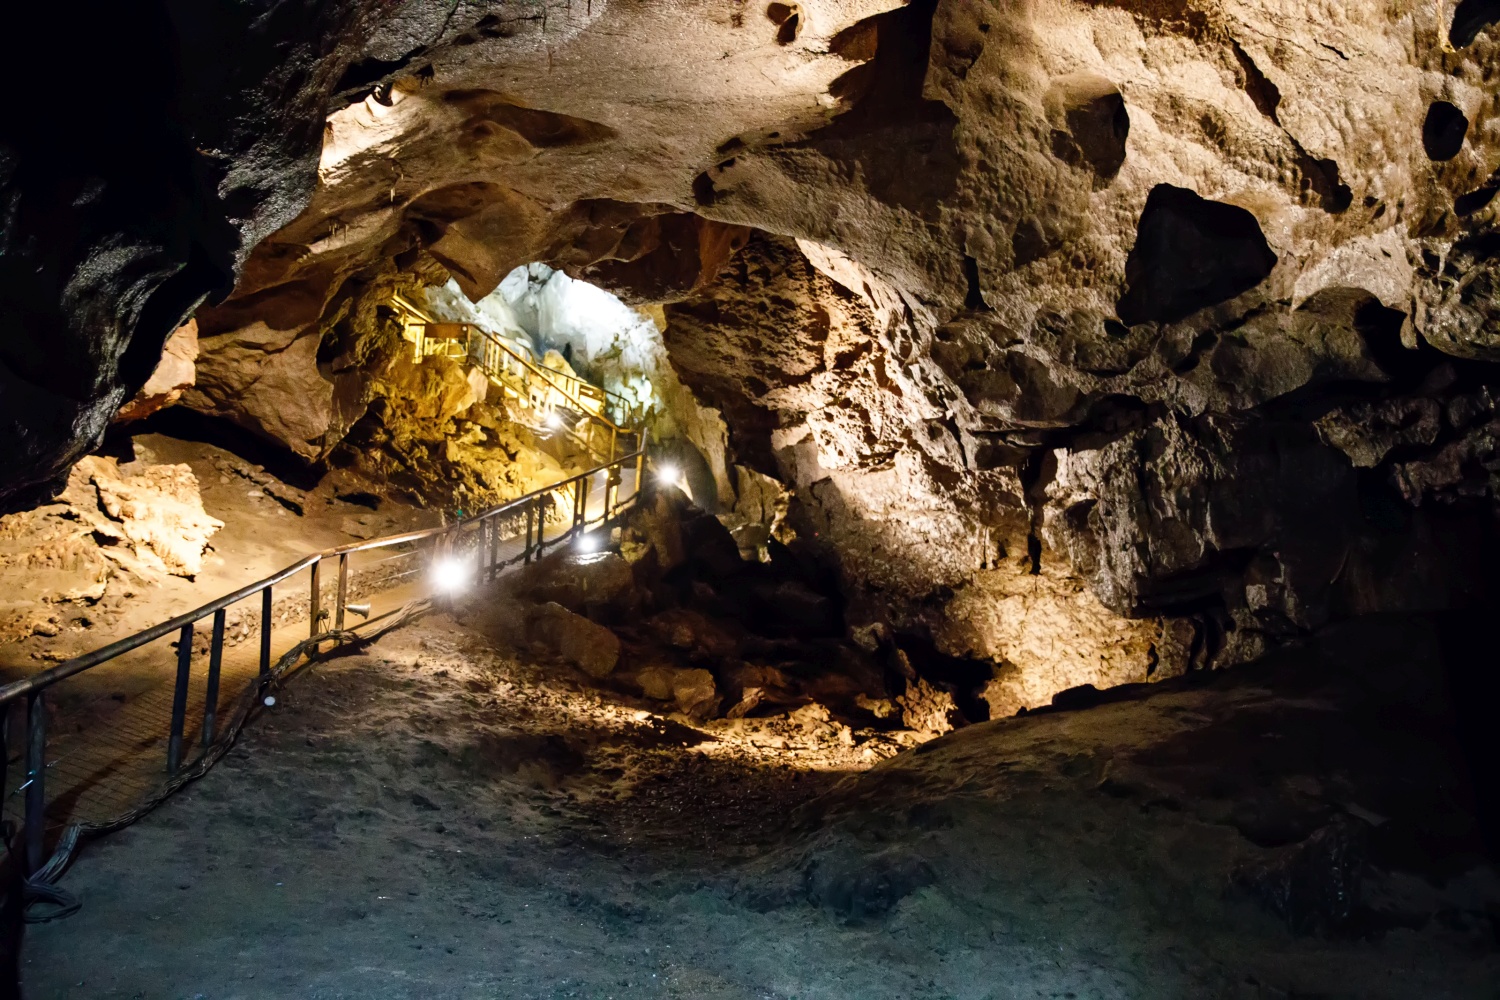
601 422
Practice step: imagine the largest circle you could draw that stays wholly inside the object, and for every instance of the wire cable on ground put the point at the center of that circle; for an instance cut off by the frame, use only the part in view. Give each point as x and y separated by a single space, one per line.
42 888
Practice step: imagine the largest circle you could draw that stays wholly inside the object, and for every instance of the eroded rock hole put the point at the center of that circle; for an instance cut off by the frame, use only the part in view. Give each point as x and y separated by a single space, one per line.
788 19
1090 123
1443 131
1471 17
1190 253
974 298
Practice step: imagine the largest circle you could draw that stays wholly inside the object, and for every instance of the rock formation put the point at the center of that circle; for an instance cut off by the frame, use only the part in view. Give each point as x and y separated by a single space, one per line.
174 375
135 523
1094 341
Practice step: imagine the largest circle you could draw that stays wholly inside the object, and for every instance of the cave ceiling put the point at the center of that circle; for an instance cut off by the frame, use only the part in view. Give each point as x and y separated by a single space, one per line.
1099 340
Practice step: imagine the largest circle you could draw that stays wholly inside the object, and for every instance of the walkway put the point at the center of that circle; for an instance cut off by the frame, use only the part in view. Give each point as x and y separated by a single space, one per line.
108 727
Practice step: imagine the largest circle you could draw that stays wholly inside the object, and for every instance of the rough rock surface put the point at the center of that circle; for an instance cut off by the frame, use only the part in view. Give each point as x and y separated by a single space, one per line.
590 647
202 139
137 522
174 375
1095 341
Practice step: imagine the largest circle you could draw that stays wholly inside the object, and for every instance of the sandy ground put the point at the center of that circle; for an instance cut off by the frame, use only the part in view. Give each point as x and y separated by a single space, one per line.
443 817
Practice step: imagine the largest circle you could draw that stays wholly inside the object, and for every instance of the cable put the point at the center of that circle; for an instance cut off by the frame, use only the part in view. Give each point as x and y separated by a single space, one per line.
41 887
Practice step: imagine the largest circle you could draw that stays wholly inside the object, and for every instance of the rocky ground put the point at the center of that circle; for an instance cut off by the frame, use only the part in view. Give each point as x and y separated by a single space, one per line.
454 813
84 570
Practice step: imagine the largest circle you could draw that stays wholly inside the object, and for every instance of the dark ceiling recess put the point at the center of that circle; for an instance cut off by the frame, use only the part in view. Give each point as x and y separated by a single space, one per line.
1190 253
1470 18
1090 123
1444 130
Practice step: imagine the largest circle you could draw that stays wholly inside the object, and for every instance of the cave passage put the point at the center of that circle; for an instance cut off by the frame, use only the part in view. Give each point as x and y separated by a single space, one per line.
841 499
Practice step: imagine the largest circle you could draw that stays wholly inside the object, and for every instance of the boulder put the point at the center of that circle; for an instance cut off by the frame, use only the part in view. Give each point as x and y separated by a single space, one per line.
656 681
585 583
695 694
592 648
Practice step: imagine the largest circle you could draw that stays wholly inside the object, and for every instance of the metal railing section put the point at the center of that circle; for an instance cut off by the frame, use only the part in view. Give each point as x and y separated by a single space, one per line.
514 370
508 368
477 538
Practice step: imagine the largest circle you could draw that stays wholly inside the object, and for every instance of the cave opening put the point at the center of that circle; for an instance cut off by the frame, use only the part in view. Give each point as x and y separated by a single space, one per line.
832 498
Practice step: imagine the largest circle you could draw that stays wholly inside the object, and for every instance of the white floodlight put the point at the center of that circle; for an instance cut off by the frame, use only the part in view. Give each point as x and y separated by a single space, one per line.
451 575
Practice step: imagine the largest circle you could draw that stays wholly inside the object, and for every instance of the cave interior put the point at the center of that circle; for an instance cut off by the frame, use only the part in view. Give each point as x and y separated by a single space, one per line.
1001 499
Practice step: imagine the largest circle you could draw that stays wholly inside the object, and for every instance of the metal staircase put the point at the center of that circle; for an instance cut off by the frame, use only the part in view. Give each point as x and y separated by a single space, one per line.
562 402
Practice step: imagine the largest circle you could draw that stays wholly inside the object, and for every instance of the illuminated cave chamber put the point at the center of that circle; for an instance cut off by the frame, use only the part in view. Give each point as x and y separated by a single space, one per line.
572 326
1018 357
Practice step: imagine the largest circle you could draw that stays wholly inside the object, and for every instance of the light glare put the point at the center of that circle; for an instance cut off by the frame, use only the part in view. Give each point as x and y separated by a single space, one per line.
450 575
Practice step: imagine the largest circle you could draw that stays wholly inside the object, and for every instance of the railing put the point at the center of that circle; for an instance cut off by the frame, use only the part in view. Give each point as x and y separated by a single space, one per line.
508 367
513 369
477 538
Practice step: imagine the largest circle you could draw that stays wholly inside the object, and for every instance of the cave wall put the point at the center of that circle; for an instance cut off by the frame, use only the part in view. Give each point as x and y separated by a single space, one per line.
156 144
1098 340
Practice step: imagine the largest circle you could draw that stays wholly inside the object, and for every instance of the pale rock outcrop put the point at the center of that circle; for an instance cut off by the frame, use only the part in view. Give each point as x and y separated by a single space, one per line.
138 522
156 512
174 375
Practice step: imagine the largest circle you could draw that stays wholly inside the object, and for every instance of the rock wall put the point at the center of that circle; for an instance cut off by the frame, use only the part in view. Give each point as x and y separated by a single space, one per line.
1095 340
137 175
174 375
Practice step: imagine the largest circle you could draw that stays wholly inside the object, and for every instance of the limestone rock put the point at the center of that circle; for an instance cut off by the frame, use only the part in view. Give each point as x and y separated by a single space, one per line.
581 582
157 511
174 374
266 379
695 694
592 648
926 709
141 522
656 682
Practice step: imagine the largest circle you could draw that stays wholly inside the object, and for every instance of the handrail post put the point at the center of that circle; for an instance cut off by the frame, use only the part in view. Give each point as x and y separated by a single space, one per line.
612 490
494 547
315 603
36 785
530 521
211 696
179 697
4 749
265 631
338 614
640 467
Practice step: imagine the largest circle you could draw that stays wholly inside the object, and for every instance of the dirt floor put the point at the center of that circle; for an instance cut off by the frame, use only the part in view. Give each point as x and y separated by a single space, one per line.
444 816
269 522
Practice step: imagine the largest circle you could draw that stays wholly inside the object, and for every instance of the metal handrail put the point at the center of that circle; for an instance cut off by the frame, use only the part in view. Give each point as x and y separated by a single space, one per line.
570 386
549 374
33 688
